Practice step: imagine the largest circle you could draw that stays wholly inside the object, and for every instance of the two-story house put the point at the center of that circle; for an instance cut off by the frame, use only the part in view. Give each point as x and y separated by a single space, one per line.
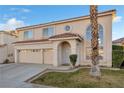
53 42
6 47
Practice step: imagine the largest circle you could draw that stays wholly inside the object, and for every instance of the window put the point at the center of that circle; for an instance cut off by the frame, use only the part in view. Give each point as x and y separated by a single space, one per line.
67 28
28 35
88 42
47 32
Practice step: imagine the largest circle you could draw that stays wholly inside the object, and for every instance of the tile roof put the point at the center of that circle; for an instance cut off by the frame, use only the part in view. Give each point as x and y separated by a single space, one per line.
65 35
120 40
8 32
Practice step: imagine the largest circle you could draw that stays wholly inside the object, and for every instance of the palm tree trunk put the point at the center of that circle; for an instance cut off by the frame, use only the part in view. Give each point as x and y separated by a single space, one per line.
95 70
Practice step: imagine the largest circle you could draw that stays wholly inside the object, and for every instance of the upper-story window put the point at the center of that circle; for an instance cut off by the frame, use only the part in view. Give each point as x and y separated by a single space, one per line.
28 34
88 41
47 32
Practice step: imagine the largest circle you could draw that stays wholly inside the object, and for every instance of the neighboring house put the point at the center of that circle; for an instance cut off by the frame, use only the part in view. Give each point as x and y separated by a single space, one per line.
6 47
52 43
119 42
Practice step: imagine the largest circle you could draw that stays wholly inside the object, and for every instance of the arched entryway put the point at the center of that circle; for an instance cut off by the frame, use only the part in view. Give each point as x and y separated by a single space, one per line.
64 52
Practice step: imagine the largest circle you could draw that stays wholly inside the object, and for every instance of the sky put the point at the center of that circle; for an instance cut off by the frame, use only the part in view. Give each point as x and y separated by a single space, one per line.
13 16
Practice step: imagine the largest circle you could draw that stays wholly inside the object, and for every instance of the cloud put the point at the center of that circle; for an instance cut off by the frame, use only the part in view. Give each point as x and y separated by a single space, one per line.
25 10
12 24
5 17
117 19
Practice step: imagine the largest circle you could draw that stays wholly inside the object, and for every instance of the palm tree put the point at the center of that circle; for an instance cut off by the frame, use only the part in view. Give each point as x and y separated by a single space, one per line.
95 70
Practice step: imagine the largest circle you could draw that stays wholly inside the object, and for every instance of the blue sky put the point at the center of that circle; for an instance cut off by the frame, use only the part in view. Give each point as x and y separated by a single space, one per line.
16 16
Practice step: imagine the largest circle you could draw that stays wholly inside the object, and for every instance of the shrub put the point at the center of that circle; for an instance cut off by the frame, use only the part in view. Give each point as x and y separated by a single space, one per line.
6 61
117 55
116 47
73 59
122 65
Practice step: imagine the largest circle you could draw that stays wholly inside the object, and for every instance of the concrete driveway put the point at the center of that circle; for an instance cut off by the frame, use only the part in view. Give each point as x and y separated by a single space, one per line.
14 75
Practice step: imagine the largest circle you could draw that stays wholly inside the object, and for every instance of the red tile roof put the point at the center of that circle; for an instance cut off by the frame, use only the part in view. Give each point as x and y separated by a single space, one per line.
65 35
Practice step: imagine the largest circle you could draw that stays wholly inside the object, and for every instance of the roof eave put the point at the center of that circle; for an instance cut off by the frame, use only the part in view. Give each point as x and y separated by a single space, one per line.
110 12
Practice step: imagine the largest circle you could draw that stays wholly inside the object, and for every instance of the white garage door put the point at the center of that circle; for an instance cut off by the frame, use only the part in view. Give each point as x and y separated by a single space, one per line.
48 56
30 56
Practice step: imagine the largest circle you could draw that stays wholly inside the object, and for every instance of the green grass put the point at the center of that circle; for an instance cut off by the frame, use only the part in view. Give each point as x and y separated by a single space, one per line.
81 79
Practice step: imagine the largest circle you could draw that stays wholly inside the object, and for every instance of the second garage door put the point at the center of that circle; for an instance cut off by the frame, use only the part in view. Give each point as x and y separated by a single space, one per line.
48 56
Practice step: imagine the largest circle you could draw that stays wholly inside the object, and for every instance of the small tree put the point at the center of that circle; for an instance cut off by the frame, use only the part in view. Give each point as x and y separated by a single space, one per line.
73 59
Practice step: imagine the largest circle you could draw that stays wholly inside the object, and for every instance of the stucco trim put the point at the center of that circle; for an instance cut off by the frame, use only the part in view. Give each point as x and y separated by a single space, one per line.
29 41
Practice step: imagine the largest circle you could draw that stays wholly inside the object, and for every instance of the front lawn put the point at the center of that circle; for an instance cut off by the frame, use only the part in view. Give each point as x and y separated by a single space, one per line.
81 79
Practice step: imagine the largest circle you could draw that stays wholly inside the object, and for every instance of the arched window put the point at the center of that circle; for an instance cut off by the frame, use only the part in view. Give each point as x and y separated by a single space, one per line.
88 41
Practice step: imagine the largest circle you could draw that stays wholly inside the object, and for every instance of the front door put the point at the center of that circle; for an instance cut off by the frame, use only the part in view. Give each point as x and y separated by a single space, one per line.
65 53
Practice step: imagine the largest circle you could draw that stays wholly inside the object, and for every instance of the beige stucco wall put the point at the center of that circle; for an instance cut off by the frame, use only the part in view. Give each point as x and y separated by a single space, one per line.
7 52
79 27
3 54
76 27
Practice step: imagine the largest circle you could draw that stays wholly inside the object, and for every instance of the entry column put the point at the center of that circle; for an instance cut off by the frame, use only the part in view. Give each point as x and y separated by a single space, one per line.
55 54
73 47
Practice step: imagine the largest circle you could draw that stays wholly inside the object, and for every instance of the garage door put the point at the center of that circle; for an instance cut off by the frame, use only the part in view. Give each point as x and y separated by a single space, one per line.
48 56
30 56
